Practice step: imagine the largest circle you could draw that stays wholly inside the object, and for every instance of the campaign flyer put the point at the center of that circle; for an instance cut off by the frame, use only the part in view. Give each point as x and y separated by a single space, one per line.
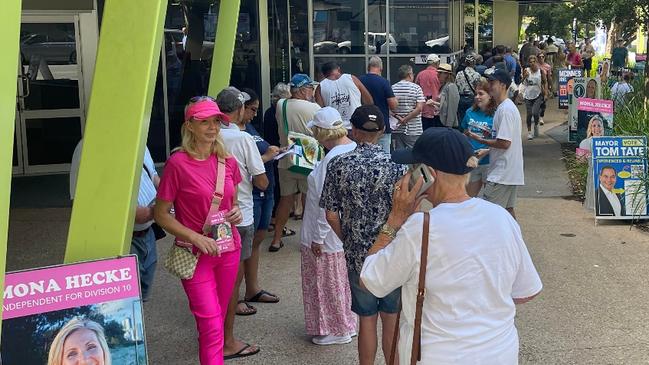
88 312
565 84
594 119
620 170
583 87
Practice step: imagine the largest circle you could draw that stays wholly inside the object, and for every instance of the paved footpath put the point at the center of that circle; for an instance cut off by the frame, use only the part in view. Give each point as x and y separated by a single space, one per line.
593 308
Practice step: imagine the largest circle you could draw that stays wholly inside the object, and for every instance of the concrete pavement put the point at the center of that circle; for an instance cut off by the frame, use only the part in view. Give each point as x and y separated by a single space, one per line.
592 310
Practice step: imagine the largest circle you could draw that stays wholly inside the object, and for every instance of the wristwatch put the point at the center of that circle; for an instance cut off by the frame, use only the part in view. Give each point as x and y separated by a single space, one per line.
389 231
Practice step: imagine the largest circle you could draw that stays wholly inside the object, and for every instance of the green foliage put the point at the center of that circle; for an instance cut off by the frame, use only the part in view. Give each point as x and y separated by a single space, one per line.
551 19
633 118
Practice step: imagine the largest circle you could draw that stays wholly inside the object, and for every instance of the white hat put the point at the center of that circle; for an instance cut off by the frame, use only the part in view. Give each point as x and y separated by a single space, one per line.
432 58
327 118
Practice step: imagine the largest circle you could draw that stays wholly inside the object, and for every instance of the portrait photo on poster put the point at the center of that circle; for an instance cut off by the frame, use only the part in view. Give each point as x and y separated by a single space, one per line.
81 313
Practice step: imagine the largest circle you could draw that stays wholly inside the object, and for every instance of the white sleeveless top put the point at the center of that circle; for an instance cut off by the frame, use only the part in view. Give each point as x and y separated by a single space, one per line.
343 95
532 84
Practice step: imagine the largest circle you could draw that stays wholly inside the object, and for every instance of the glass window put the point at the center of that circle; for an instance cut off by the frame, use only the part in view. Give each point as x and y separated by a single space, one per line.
338 26
300 51
420 27
52 141
53 42
485 26
350 65
278 32
377 29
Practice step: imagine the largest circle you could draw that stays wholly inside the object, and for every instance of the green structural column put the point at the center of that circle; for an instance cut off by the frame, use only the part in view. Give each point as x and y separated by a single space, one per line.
116 129
226 35
10 28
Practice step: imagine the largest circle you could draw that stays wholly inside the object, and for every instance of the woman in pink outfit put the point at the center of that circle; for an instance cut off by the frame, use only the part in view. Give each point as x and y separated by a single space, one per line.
188 184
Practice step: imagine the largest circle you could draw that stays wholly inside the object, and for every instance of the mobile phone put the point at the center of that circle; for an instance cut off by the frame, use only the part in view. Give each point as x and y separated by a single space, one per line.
422 171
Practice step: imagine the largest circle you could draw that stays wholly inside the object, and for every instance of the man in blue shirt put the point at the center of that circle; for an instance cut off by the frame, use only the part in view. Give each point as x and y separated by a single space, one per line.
382 94
510 61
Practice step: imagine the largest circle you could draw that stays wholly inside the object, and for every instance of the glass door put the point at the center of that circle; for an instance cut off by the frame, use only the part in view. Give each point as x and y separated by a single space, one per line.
50 110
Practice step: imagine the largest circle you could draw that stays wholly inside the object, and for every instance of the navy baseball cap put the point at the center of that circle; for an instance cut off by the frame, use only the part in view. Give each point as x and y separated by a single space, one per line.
368 118
301 80
500 75
444 149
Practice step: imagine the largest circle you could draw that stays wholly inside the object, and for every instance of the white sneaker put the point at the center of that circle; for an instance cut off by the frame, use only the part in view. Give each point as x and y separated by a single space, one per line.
530 136
541 121
353 334
331 340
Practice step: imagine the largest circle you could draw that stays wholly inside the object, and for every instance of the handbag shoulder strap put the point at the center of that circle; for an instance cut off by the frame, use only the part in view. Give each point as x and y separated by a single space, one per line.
284 116
421 293
220 182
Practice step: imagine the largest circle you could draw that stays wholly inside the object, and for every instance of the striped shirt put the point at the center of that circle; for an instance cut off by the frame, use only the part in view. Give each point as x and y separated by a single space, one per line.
408 94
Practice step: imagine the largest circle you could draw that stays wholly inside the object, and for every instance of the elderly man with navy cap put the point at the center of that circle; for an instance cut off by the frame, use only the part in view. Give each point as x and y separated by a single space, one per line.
477 266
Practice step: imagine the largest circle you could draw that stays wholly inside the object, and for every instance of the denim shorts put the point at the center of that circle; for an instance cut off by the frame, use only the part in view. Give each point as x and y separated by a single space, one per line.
246 233
263 210
366 304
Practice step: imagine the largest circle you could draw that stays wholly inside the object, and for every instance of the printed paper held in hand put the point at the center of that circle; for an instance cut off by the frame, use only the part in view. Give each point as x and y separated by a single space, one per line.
291 150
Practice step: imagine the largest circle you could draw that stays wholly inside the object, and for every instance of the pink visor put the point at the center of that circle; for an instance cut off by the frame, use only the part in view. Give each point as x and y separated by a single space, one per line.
204 109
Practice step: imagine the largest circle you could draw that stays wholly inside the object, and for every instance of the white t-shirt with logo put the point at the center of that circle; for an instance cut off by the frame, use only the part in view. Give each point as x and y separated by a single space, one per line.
477 263
243 147
507 165
342 95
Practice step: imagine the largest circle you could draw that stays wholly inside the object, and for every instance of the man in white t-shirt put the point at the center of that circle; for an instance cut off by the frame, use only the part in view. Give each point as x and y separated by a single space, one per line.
341 91
244 148
477 268
506 150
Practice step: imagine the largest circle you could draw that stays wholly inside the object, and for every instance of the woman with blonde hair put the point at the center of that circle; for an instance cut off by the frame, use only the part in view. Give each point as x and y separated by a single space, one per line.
595 129
189 183
325 285
80 341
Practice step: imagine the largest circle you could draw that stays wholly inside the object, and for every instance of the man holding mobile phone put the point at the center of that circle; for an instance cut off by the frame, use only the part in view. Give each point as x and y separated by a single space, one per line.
506 150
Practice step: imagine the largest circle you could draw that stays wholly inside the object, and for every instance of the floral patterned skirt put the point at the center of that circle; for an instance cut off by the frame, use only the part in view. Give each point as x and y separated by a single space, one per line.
327 298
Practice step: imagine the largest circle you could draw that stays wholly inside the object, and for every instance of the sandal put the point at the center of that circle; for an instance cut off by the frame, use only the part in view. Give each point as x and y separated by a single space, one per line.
272 248
241 353
257 297
287 232
251 310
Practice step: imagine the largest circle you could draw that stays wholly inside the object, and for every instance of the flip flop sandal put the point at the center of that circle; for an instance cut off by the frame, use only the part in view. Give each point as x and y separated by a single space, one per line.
252 310
272 248
241 353
287 232
257 297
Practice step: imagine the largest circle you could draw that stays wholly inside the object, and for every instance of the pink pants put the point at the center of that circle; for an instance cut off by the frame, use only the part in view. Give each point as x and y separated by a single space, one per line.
209 293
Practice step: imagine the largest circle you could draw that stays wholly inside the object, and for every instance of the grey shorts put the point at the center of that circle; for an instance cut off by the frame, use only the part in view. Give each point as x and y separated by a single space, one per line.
247 233
503 195
479 173
291 183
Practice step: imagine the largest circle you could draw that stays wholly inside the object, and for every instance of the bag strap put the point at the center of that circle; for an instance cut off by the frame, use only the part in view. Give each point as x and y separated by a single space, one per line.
421 293
467 81
284 117
218 193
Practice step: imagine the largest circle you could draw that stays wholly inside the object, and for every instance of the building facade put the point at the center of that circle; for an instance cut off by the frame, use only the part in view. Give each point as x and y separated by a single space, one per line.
275 39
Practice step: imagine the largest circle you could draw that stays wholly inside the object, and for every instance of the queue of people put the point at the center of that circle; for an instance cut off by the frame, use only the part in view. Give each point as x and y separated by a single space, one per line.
220 188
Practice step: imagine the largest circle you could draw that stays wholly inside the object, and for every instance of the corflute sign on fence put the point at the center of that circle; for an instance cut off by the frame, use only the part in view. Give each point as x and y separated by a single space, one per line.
620 177
565 84
90 309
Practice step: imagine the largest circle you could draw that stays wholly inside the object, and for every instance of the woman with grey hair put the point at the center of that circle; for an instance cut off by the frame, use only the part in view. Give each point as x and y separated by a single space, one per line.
271 135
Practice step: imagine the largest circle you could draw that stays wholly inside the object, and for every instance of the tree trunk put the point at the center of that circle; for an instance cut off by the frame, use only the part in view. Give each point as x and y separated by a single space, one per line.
610 40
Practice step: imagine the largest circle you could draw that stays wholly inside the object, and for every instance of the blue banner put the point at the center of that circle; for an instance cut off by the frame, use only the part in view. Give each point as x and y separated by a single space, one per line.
620 177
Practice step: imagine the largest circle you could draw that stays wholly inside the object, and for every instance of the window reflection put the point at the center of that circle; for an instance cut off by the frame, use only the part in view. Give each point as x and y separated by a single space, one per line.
338 26
420 27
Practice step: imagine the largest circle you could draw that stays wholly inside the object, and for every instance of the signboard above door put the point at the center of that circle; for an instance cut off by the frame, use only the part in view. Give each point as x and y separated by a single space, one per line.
76 5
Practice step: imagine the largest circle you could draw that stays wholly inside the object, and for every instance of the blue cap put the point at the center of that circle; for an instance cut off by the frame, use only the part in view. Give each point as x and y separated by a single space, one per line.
444 149
300 80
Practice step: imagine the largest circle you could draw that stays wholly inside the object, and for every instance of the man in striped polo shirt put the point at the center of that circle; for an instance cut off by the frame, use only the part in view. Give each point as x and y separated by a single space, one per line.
407 115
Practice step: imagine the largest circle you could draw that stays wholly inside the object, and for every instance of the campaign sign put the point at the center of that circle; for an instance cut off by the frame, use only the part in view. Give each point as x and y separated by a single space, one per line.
88 312
565 84
582 87
594 119
620 170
